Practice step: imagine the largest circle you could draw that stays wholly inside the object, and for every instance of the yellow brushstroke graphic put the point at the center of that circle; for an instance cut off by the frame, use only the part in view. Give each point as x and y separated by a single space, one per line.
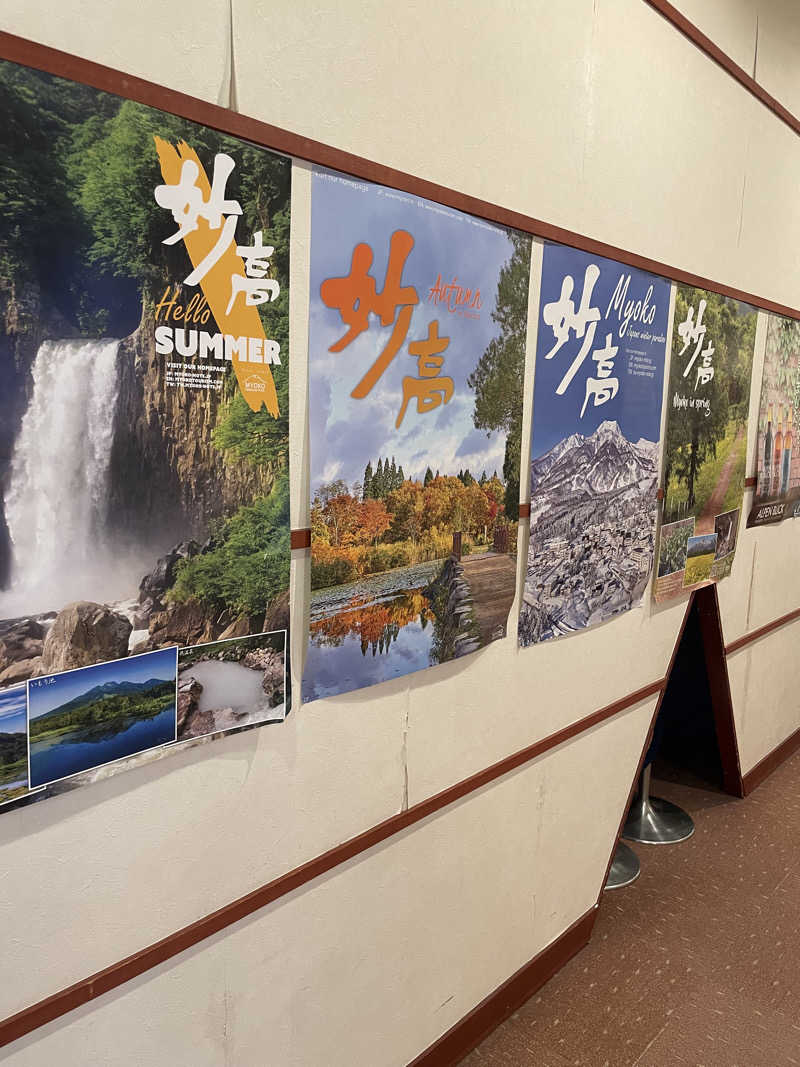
255 380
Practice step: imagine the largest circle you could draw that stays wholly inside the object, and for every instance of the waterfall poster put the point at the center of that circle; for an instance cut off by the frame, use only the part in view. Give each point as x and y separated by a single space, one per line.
777 493
601 350
417 350
144 264
708 398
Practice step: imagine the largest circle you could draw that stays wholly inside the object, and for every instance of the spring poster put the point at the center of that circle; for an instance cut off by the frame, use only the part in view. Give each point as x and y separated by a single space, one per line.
713 338
777 492
417 349
144 530
598 386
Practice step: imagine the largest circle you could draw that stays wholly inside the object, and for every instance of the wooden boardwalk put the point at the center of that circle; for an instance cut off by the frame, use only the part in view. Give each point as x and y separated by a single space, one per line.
492 581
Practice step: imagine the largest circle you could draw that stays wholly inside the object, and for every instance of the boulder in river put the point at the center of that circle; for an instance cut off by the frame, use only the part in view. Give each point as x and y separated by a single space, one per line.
85 633
184 624
21 670
21 641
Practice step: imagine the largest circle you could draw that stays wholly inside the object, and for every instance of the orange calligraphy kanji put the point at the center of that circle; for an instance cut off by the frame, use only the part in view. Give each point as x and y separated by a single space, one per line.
430 389
355 297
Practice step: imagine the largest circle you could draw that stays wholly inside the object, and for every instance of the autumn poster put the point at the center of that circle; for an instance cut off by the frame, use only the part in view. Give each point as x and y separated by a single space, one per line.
417 348
777 494
708 400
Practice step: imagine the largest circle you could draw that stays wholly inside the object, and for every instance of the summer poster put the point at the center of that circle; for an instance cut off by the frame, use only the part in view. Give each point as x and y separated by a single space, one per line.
417 349
777 492
705 449
144 418
594 450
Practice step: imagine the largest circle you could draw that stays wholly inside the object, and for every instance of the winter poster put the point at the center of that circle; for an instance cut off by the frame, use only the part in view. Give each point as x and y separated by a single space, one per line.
417 351
598 386
705 446
777 493
143 426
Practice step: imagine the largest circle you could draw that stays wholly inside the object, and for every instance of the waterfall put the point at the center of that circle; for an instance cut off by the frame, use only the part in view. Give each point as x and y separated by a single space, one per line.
57 493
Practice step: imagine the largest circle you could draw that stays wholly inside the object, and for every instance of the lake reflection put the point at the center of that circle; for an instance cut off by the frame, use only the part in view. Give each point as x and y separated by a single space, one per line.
355 627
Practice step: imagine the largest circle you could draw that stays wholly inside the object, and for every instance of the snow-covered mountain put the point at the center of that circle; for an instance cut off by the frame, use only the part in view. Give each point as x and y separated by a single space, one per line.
583 467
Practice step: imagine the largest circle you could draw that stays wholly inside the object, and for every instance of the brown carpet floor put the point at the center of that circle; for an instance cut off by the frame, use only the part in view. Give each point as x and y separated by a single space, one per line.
697 963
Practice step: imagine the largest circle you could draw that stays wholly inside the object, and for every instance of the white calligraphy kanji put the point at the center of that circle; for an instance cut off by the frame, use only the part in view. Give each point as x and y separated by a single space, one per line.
692 332
186 202
560 315
602 388
256 286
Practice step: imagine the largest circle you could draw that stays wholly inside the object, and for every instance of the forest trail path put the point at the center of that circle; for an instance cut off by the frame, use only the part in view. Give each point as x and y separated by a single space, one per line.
705 522
492 581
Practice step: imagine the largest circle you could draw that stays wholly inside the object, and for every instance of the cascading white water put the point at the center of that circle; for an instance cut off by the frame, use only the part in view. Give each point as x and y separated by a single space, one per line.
56 500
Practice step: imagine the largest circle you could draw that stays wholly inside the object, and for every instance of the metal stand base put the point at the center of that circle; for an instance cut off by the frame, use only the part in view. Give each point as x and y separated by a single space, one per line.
625 868
653 821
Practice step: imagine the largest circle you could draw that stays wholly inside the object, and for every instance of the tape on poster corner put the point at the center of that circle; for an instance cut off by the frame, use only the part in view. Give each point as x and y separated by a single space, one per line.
300 539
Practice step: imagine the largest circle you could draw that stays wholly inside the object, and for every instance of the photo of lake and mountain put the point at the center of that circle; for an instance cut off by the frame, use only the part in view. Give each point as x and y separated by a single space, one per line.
13 744
85 718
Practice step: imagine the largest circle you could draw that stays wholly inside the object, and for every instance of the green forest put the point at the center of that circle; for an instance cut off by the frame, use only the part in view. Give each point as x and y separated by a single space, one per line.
107 711
13 757
700 439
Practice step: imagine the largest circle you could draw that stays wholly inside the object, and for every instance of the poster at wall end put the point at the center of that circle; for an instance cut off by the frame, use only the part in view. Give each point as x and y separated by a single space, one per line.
418 321
594 445
708 399
144 265
777 491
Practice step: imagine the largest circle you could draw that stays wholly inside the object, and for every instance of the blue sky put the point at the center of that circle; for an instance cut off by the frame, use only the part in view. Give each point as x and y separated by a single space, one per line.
64 687
637 405
13 716
346 432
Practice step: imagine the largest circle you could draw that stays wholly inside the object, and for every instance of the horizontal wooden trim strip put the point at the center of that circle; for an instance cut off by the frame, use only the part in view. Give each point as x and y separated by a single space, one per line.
525 511
300 539
715 53
762 631
764 768
504 1001
53 61
750 482
45 1011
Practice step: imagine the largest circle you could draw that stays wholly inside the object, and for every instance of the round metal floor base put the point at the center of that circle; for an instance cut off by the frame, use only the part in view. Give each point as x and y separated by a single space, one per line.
657 822
625 868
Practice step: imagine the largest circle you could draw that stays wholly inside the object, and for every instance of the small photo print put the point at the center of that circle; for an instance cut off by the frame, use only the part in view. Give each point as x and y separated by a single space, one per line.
229 684
91 716
672 546
726 527
13 743
699 558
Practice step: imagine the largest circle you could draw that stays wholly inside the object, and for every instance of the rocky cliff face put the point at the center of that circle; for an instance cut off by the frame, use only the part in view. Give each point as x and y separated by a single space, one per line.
24 323
167 479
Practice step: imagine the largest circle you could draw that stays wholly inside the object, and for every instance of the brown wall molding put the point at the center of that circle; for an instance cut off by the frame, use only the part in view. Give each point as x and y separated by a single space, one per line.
53 61
722 59
494 1009
764 768
750 482
45 1011
300 539
762 631
525 511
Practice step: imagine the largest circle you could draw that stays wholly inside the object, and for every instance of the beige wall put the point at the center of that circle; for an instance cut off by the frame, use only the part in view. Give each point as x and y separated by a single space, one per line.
593 114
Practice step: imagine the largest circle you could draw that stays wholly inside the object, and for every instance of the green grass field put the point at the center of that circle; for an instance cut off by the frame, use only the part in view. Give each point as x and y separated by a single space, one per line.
698 568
